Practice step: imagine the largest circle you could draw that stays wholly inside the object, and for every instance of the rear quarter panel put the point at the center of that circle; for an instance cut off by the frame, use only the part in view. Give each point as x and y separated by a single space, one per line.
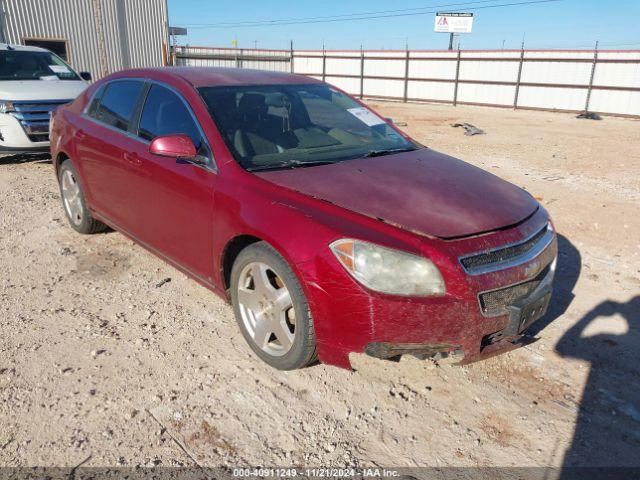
64 126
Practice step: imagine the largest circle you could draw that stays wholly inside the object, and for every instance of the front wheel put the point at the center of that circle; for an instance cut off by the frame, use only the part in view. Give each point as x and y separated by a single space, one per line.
73 201
271 308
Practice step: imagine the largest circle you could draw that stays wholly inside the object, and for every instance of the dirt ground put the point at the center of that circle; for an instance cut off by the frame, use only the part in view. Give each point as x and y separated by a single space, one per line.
101 362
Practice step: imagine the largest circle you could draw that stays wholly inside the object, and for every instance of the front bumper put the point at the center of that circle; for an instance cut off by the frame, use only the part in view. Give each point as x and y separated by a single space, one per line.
25 127
14 139
522 314
348 318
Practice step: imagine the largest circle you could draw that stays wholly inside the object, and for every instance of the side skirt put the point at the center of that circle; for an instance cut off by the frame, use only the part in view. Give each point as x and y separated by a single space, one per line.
202 281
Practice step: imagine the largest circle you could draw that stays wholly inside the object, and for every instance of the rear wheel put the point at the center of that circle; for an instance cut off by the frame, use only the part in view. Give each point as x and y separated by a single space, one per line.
73 201
271 309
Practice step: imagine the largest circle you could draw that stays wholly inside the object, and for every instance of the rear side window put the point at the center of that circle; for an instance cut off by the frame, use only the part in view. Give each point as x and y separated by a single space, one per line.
118 103
165 113
95 101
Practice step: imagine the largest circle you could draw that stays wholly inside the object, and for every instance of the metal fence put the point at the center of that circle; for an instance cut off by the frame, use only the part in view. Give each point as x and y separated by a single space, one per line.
605 81
272 60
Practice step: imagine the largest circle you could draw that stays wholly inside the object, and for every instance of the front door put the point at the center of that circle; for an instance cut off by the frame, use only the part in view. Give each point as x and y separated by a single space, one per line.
175 196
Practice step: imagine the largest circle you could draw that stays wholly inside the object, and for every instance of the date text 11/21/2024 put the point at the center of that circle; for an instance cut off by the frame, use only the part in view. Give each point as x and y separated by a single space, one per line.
315 473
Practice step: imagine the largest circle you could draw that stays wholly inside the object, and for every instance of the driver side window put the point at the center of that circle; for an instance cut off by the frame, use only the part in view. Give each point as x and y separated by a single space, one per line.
164 113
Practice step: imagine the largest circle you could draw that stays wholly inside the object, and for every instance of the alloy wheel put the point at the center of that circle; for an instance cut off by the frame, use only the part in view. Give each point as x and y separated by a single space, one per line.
72 197
266 309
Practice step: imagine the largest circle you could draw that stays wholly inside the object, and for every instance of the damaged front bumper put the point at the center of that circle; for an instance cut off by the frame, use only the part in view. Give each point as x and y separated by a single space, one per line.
348 318
393 351
522 314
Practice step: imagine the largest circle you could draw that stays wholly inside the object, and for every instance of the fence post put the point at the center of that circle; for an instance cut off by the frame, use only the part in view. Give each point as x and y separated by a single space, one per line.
173 57
593 73
515 97
324 63
239 59
291 57
361 72
406 77
455 88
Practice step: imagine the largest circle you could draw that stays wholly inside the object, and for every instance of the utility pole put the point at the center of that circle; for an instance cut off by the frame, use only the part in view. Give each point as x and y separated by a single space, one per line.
451 41
255 44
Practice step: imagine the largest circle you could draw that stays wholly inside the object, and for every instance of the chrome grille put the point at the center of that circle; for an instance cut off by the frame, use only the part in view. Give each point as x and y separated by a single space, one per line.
34 117
495 259
496 301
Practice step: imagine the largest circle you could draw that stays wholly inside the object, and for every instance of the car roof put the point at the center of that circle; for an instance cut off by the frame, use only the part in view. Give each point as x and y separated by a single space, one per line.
215 76
10 47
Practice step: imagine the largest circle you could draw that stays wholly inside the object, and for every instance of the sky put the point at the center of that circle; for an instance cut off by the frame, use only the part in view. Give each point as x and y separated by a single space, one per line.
555 24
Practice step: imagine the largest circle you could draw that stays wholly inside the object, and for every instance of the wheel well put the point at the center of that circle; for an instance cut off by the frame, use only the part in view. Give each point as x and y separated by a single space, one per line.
231 252
59 159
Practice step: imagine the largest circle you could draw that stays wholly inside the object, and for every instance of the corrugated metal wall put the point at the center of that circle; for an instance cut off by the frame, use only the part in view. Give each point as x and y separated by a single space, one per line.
102 36
549 80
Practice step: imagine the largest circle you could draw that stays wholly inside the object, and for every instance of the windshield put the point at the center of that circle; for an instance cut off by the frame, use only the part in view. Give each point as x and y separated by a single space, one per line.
33 65
287 126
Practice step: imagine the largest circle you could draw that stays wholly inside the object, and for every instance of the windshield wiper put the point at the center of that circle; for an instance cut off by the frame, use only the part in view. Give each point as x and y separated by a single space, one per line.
290 164
299 163
390 151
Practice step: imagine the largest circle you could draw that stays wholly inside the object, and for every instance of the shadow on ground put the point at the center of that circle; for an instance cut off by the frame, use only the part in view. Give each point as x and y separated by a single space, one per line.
607 432
607 429
15 159
567 274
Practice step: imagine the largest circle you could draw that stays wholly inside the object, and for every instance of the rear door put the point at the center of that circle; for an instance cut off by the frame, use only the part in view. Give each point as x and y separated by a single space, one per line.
104 142
175 195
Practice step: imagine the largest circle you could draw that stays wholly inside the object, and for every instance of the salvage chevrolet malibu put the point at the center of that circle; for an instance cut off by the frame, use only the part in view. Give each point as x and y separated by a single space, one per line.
330 230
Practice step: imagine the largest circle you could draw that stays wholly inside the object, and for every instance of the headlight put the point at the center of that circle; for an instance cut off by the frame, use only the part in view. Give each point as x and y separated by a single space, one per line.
6 106
388 271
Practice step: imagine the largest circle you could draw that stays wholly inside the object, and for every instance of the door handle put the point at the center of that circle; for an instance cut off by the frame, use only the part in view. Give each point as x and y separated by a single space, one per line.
133 159
80 135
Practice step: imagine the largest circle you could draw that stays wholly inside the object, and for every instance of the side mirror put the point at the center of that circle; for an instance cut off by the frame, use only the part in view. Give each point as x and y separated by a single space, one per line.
174 146
85 76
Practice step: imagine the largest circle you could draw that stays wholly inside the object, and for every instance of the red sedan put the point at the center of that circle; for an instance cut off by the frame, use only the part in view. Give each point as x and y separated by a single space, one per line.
330 230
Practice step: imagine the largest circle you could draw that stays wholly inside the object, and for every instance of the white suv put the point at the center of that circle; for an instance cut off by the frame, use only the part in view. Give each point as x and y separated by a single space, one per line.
33 83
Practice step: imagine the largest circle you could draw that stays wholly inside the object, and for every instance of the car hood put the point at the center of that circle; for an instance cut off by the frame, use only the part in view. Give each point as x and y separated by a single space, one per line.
27 90
423 191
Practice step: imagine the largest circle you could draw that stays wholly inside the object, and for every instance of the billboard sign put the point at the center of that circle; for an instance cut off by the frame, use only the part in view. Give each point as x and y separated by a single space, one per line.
454 22
177 31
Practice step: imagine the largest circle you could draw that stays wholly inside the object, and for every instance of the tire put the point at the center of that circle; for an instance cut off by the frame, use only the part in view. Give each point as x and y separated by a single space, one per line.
259 269
74 203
